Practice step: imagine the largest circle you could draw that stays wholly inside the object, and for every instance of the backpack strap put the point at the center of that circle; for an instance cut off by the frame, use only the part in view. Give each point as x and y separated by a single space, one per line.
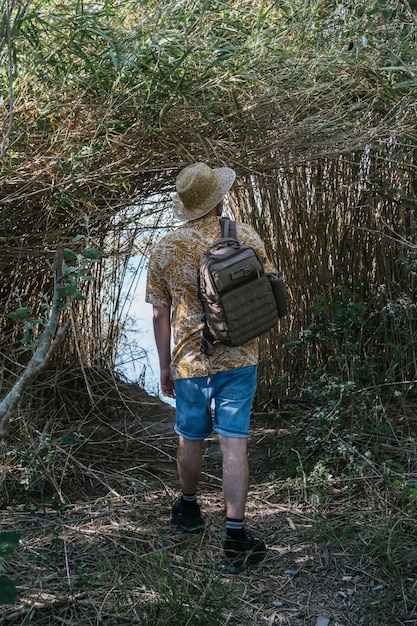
228 231
228 227
206 346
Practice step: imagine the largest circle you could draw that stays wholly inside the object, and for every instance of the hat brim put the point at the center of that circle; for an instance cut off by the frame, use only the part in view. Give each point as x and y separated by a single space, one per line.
226 176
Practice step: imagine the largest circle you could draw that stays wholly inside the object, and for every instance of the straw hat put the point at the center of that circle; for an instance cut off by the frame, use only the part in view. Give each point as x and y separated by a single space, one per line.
200 188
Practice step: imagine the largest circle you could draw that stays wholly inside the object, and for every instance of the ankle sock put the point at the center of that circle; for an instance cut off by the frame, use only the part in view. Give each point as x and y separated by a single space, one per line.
235 529
189 501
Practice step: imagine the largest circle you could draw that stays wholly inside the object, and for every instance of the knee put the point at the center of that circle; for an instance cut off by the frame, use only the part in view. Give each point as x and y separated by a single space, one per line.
233 448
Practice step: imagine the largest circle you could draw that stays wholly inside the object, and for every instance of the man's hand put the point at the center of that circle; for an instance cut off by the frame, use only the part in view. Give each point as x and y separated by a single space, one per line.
167 383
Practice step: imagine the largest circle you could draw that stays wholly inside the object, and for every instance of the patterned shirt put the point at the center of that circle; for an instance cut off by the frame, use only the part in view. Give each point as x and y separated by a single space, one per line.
172 282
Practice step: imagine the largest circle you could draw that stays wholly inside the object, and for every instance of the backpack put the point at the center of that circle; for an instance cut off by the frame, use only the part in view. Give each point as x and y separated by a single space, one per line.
240 300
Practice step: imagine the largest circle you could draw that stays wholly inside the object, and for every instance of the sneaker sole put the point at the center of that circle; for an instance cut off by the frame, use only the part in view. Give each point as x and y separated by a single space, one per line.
231 568
187 526
236 566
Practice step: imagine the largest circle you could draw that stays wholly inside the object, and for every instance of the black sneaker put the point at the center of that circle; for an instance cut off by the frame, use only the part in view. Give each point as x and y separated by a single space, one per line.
190 521
239 554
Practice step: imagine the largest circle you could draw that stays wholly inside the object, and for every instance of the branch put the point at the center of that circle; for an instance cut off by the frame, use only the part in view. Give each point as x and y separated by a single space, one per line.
48 343
9 9
410 11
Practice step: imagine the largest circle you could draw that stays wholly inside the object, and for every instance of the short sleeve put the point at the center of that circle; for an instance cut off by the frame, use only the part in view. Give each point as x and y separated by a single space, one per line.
157 292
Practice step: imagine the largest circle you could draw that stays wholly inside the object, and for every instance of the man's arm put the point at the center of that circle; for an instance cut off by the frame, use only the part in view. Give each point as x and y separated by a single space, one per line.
162 332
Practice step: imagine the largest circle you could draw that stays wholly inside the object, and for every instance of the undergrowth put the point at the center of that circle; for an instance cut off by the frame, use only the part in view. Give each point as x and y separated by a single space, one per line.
334 493
352 456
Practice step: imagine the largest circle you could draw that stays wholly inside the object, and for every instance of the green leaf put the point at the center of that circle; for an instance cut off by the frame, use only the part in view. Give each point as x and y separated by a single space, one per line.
79 296
68 291
67 270
8 543
69 255
69 439
21 313
7 590
32 323
91 253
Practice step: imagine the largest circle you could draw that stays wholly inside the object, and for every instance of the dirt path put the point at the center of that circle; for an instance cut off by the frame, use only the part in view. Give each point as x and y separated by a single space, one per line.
104 552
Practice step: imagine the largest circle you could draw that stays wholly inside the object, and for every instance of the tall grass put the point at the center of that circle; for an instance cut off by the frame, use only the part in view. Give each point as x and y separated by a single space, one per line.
312 104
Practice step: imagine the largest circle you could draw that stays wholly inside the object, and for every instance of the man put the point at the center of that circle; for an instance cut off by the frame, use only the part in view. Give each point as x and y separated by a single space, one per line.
213 392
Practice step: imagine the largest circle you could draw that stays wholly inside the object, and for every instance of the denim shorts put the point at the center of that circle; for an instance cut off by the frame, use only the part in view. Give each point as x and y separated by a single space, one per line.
221 402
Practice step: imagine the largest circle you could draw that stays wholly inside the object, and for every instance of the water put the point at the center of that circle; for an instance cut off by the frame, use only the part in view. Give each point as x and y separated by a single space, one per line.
138 359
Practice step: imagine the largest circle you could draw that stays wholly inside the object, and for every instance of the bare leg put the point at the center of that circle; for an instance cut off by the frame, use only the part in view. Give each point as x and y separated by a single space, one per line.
235 475
240 548
189 464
